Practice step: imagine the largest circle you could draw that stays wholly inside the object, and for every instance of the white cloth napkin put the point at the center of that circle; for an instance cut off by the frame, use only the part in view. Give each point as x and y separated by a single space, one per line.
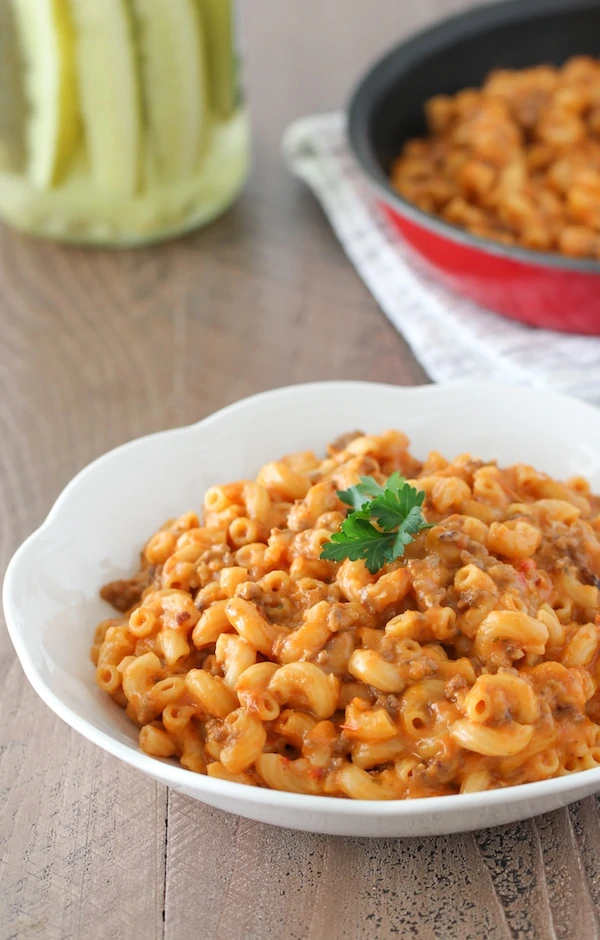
450 336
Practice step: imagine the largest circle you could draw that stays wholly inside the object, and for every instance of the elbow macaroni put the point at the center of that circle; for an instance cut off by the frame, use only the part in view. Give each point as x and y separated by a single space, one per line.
471 663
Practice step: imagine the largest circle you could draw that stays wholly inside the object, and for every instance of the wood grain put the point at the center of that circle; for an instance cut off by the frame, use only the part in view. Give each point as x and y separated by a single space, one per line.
99 347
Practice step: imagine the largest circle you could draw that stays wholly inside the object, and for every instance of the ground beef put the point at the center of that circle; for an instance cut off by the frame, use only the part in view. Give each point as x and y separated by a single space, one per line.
126 593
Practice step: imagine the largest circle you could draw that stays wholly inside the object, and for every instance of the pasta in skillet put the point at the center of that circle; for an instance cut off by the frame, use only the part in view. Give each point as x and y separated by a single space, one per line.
516 161
469 662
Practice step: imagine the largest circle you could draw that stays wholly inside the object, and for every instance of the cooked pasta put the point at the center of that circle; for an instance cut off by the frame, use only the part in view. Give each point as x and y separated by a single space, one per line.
516 161
469 663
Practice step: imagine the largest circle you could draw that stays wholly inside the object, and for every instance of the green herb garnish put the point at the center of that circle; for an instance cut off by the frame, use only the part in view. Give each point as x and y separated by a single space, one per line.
397 513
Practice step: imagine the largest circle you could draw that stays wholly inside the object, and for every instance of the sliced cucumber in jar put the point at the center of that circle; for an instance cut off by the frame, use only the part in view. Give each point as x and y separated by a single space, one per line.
108 79
217 17
13 106
47 45
174 83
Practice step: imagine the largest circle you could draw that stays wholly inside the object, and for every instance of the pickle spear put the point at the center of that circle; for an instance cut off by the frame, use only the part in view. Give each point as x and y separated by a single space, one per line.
217 17
110 97
47 46
174 83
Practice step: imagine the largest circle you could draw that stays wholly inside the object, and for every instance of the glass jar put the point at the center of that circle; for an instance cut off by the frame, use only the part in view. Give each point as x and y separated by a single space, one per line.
121 121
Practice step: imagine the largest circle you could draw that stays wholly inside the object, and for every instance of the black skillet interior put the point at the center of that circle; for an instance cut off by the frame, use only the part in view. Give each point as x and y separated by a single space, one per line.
387 107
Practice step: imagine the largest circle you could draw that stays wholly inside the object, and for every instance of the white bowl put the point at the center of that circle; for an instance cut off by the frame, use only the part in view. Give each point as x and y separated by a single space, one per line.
99 523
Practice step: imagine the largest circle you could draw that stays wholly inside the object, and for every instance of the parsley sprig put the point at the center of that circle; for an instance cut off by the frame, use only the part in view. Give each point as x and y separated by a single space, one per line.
396 510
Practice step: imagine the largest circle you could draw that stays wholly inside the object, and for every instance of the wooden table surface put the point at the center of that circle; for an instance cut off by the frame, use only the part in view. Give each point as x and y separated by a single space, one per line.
99 347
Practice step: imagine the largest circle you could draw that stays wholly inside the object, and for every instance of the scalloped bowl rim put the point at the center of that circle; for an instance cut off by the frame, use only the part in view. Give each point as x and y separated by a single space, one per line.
188 781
